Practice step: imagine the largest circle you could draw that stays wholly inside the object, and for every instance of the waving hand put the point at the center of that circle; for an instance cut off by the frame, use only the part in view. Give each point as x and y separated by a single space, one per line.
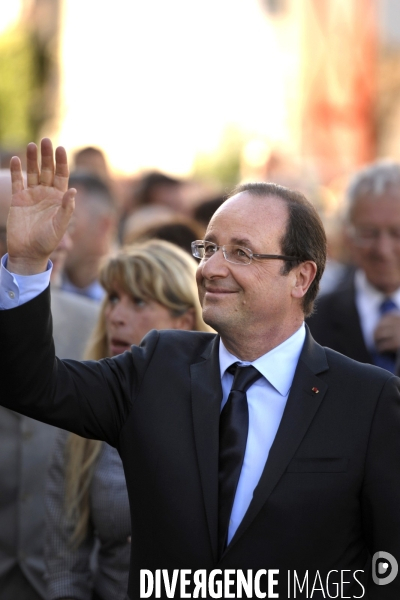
39 213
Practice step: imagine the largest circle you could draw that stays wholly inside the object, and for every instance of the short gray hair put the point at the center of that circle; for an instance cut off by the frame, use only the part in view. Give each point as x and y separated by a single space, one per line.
374 180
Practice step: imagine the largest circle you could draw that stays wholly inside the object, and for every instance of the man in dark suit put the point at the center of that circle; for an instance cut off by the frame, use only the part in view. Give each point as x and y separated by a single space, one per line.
312 494
361 319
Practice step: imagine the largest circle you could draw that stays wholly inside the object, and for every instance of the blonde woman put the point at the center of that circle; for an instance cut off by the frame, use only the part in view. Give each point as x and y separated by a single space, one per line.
148 286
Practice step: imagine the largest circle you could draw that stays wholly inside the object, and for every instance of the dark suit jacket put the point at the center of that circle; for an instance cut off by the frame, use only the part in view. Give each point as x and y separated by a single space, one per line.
336 323
329 495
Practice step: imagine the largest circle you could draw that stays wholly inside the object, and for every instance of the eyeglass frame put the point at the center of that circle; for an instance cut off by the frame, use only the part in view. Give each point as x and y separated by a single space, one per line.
369 237
252 254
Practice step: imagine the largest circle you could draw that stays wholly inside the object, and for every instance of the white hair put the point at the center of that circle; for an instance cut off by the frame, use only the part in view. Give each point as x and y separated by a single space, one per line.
374 180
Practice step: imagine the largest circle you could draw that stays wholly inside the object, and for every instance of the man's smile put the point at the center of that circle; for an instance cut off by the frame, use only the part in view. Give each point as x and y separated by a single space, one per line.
213 292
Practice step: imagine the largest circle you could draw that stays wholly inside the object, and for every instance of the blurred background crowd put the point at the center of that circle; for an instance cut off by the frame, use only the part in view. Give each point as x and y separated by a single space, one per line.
163 109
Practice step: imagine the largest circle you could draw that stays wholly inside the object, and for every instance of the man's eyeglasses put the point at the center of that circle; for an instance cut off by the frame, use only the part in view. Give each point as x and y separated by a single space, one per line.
365 237
232 253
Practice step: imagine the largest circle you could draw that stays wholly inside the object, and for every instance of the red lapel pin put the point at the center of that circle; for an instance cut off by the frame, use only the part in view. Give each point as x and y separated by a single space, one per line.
315 390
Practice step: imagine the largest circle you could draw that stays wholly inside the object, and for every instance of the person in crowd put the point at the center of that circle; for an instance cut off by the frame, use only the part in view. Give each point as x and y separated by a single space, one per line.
361 319
142 219
92 160
159 189
26 444
93 236
74 317
148 286
255 449
205 210
178 229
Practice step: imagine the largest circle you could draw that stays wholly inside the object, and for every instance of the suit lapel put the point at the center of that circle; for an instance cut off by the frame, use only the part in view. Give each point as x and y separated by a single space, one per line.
301 407
206 406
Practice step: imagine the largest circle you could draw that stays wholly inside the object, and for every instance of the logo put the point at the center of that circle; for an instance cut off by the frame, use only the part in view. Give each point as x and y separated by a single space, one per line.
384 568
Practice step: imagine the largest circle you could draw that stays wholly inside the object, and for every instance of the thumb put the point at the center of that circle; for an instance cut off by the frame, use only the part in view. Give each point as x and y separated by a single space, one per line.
66 209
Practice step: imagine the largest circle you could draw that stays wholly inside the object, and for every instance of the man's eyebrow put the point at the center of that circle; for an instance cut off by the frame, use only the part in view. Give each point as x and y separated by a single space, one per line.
241 241
235 240
209 238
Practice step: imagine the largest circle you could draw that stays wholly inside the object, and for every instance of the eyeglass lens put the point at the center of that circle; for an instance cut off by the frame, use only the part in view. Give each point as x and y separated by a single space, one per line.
232 253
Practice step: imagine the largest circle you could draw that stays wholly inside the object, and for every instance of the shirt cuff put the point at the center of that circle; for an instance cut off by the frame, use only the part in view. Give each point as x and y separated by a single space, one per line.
16 290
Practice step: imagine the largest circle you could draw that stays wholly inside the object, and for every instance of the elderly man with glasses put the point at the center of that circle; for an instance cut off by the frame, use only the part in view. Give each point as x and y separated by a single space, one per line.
257 462
361 319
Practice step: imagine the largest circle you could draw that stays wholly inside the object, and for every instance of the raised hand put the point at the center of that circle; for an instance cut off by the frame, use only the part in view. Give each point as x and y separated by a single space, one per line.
387 333
39 214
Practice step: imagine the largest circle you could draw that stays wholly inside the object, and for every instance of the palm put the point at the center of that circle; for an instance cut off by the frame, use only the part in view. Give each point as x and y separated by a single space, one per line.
40 213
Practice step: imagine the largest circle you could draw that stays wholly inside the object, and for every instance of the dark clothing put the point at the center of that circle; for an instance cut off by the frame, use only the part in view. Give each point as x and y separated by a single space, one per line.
329 495
336 323
14 586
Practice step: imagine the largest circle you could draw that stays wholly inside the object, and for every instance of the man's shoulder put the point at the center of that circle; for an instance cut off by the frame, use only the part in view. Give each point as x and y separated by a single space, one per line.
344 369
177 341
170 349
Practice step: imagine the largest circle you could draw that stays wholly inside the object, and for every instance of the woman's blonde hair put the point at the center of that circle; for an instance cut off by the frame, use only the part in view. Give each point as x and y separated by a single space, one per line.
155 270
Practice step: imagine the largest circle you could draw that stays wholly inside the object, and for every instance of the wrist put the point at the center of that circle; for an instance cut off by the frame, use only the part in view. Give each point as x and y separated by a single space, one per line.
26 266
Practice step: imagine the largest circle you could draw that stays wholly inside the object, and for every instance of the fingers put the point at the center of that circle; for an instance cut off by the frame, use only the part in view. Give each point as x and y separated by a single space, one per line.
47 172
48 175
68 201
32 166
66 210
17 181
62 171
387 333
387 345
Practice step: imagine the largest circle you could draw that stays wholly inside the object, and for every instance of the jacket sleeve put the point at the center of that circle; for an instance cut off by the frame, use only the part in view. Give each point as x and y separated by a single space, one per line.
92 398
68 571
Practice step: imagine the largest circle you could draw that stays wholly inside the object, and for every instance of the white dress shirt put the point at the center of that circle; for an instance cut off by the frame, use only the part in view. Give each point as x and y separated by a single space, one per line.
368 300
18 289
266 398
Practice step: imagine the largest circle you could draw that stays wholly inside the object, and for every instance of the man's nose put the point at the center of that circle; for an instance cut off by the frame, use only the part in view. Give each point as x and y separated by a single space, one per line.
215 266
384 245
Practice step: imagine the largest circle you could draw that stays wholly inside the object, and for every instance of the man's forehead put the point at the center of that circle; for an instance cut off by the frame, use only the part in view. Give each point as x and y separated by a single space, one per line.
378 207
248 221
248 210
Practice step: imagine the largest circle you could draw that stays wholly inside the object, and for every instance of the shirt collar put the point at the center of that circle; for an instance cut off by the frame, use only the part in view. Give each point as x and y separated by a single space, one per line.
370 294
277 366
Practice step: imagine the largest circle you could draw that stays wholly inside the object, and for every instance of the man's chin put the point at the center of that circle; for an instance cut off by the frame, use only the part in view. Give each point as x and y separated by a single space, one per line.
217 318
387 285
211 317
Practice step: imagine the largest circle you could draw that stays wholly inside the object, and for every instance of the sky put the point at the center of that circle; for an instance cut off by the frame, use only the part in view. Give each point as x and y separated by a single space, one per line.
156 82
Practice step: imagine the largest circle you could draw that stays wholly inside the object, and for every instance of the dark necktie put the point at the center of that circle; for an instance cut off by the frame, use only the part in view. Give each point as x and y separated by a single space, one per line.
385 360
233 428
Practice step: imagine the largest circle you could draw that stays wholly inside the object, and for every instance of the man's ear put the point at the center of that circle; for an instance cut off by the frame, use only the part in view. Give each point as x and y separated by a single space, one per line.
305 275
186 321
